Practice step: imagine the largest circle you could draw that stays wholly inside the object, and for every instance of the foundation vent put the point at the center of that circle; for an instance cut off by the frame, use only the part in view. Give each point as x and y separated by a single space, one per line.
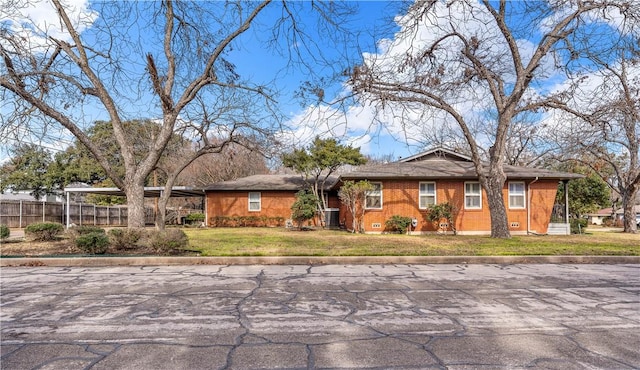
376 225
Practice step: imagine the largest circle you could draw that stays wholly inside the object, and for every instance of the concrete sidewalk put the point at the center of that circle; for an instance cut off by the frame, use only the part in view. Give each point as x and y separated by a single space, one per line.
453 316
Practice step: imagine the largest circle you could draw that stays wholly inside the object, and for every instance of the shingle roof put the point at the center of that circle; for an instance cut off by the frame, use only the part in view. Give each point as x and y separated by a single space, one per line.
267 182
439 169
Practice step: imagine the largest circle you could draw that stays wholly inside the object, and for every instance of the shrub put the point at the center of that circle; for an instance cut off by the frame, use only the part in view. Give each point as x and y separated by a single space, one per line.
44 231
578 225
75 232
124 238
82 230
4 232
195 217
93 242
168 241
304 208
398 224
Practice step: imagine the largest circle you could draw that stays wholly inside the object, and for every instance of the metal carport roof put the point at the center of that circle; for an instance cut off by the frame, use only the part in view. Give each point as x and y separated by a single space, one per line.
149 192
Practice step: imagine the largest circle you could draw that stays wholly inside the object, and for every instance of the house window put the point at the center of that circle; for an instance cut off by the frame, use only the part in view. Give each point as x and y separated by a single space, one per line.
373 197
516 194
255 203
472 195
427 194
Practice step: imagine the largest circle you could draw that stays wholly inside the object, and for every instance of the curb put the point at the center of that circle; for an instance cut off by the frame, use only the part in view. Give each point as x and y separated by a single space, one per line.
298 260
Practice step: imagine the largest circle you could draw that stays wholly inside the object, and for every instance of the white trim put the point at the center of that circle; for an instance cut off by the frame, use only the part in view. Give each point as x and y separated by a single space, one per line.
522 195
258 201
479 195
369 194
420 194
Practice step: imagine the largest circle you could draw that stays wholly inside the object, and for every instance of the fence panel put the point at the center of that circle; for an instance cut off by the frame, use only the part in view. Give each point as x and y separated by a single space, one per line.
21 213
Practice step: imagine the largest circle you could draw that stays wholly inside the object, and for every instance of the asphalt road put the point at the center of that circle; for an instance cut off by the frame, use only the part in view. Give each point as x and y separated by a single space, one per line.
321 317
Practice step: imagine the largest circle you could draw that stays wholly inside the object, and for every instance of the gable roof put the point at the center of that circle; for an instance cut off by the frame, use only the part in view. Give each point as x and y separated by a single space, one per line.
267 182
437 153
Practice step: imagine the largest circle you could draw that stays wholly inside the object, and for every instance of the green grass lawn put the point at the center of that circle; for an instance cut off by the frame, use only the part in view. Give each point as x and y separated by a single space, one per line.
282 242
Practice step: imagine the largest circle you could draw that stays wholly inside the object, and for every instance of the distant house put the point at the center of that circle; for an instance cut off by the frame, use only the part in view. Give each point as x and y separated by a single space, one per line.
616 217
406 188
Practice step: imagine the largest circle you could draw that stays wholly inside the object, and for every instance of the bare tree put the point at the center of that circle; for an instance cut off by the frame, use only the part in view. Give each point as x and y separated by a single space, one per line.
91 69
602 118
125 60
235 161
466 61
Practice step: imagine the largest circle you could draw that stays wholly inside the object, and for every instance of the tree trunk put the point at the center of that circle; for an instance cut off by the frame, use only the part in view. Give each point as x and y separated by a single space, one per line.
499 221
628 203
161 216
135 206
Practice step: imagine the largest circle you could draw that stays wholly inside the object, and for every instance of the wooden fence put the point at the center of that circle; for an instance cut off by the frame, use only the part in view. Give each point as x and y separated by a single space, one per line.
20 213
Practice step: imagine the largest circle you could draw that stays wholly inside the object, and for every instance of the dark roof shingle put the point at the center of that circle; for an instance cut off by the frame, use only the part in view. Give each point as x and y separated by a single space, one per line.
436 169
267 182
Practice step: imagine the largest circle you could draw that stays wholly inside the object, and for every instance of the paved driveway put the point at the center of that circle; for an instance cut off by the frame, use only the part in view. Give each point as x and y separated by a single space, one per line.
330 317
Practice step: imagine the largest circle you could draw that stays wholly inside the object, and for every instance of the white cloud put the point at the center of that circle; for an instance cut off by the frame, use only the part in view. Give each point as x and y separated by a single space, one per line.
36 21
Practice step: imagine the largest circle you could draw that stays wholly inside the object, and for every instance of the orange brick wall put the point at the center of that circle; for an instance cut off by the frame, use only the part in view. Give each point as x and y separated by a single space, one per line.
400 197
236 203
543 195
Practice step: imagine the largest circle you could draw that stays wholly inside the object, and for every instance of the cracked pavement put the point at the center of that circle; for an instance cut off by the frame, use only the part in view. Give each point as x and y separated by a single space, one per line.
321 317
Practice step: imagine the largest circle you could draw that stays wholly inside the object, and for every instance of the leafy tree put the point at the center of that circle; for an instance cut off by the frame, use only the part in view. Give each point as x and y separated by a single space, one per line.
27 170
586 195
318 162
352 194
304 208
463 62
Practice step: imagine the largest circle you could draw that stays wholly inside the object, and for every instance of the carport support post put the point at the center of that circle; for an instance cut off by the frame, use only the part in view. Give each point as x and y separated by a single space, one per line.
565 183
68 213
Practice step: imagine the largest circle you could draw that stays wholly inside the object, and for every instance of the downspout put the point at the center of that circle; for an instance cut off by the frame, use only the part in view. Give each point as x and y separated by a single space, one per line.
529 205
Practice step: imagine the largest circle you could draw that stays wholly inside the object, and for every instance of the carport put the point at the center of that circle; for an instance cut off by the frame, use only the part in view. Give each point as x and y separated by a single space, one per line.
149 192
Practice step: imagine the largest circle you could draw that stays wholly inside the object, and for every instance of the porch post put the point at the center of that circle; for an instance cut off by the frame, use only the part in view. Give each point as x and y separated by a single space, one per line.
566 200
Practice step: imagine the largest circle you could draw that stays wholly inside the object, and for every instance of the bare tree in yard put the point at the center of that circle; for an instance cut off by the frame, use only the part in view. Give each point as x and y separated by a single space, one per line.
120 61
468 61
230 118
234 162
603 119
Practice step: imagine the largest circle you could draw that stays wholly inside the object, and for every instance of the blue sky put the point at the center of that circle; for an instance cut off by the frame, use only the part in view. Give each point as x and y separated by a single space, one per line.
254 61
354 124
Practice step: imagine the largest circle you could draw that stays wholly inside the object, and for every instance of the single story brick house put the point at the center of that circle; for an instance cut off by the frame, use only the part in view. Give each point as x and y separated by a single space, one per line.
258 200
406 188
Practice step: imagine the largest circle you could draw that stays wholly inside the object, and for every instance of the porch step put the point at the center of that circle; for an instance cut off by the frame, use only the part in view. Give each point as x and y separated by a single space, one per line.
558 229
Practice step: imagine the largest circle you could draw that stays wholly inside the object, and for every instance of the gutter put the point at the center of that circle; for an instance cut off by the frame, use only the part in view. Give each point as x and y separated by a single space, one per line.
529 206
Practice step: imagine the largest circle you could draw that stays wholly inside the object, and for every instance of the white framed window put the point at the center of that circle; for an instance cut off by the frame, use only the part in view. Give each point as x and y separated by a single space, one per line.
517 195
472 195
427 194
255 201
373 197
